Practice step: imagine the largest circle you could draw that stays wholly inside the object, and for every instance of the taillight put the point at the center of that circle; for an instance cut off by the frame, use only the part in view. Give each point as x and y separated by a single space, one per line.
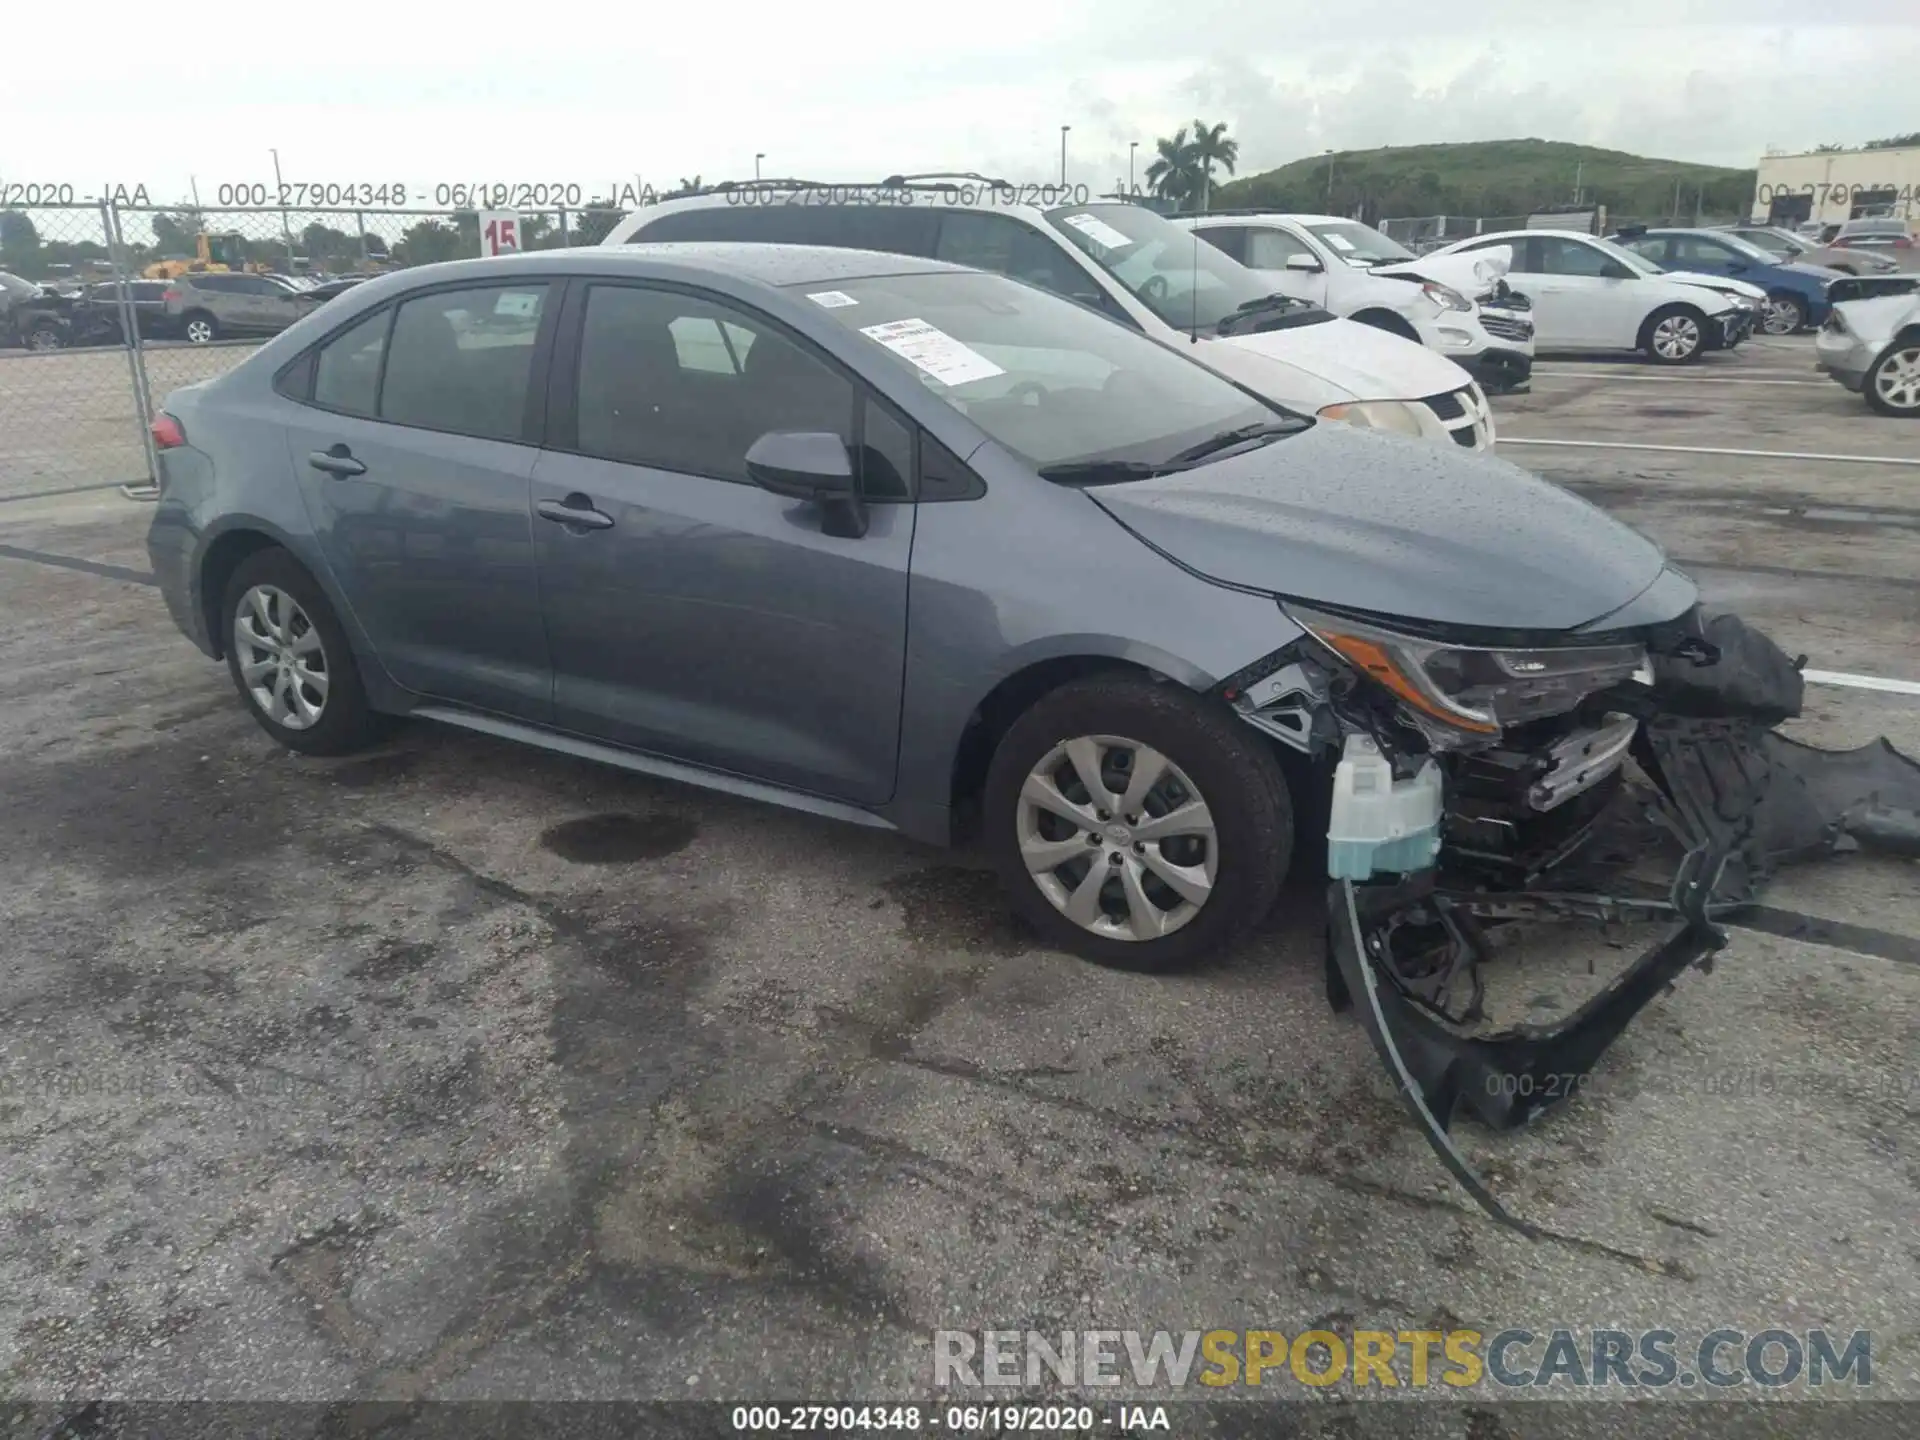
167 434
1903 242
169 294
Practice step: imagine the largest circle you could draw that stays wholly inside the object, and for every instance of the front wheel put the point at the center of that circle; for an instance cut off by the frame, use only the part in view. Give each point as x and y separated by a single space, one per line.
1135 824
1673 336
1785 314
290 659
44 337
1893 384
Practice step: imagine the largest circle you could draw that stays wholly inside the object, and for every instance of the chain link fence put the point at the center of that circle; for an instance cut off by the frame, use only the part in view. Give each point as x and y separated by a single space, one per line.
70 409
108 308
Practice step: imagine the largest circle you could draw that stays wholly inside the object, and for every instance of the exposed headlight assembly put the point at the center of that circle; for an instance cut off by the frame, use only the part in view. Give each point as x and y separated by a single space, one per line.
1395 415
1445 296
1467 689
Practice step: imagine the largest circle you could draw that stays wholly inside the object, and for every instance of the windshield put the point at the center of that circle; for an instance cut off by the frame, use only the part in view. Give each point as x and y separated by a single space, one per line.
1052 381
1174 273
1359 244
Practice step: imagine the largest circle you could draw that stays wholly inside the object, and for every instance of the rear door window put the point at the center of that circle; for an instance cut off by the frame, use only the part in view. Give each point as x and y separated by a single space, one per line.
461 360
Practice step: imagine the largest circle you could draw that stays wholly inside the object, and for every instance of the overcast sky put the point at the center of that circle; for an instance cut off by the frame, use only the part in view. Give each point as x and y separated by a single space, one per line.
591 93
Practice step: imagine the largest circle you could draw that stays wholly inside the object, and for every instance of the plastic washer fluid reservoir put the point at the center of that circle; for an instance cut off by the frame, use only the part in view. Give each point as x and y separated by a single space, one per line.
1380 823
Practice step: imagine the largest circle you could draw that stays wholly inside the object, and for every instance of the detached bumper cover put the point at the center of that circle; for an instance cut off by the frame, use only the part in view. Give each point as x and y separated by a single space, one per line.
1742 801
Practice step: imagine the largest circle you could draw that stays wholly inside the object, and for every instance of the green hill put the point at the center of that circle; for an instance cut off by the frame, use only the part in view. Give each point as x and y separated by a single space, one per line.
1493 178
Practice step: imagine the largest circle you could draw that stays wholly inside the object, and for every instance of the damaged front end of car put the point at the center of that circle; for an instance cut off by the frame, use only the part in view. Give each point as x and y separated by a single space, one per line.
1471 780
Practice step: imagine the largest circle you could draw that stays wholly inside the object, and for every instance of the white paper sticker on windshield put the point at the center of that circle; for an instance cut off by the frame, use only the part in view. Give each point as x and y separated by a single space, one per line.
933 351
517 302
1338 242
832 299
1098 231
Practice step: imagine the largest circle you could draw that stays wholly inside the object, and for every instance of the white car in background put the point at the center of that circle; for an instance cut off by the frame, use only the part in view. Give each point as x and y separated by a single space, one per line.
1451 305
1590 294
1129 263
1873 348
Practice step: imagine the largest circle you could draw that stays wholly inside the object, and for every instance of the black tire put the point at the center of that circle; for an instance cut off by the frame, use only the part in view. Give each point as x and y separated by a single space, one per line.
1784 307
1649 332
346 722
1386 320
1230 766
45 337
1906 348
199 328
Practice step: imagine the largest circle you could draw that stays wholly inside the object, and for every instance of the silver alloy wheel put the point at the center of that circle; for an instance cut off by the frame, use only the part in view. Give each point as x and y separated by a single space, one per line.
282 661
44 340
1676 337
1783 316
1117 837
200 332
1897 381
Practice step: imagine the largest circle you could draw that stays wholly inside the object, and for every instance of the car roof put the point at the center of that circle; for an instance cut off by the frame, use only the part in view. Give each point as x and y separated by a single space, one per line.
923 198
1878 222
767 264
1251 217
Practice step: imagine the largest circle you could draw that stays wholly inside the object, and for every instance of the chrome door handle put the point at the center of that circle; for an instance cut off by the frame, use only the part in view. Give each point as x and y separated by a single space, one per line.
576 511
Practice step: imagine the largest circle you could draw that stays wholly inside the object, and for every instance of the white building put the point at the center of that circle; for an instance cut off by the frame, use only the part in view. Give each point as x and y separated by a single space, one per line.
1838 185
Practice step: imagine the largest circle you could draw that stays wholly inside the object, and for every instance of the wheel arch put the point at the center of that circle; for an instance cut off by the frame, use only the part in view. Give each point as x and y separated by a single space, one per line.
1391 321
1017 692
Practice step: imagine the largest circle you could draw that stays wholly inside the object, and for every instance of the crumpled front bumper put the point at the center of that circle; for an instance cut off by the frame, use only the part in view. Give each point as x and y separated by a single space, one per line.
1740 800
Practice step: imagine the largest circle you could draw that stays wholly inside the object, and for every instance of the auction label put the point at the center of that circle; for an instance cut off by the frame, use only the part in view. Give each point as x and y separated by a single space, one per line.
933 351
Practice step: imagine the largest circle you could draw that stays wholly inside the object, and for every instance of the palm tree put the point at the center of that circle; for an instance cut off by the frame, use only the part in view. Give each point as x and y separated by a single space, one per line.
1174 176
1212 147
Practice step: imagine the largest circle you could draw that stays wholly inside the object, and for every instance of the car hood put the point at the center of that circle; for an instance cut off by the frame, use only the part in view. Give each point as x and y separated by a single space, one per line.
1350 361
1725 284
1376 522
1822 273
1473 273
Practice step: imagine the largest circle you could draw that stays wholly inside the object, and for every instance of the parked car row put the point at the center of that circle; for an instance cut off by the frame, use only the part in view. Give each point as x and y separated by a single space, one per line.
1137 268
199 308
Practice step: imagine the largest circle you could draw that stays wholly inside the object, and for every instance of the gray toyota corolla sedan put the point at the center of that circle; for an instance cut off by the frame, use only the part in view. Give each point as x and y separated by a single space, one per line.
929 549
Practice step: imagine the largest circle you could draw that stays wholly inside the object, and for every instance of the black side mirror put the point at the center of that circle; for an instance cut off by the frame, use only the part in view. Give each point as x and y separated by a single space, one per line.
811 465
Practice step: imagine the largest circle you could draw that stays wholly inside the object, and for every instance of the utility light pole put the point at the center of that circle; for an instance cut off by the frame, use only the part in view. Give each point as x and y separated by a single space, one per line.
286 231
1063 154
758 156
1132 146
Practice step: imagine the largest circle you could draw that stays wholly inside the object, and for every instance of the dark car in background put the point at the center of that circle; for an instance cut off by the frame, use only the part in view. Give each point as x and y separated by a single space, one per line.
32 316
1796 292
97 316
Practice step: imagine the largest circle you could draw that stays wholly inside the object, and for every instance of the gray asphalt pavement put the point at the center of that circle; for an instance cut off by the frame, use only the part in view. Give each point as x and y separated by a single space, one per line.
458 1070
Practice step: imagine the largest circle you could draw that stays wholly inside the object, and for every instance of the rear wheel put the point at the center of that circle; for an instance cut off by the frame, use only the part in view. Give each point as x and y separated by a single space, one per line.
1785 314
201 328
1674 335
290 660
1893 384
1135 824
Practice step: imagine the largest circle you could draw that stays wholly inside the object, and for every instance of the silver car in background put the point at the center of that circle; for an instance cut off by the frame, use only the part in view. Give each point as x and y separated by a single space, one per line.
1873 348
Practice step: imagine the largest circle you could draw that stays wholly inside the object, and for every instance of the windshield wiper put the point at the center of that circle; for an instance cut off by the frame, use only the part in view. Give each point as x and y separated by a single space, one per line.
1227 439
1275 301
1099 472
